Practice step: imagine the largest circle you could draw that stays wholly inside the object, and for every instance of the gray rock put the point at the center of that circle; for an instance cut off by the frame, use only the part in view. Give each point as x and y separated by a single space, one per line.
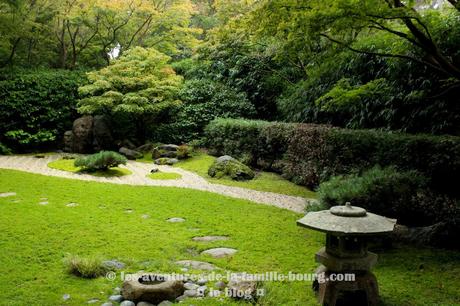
241 289
82 134
7 194
116 298
72 204
43 203
443 234
166 161
107 304
202 281
130 154
145 147
202 290
66 297
220 285
145 216
151 288
92 301
191 293
181 298
128 144
190 286
228 166
175 220
210 238
168 147
117 290
67 141
220 252
127 303
102 135
113 264
197 265
145 304
165 303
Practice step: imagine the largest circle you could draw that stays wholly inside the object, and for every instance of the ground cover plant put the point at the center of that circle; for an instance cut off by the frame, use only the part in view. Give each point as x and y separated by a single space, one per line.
36 274
69 165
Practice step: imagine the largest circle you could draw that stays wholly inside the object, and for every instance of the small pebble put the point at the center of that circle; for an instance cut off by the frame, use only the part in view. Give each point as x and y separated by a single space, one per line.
190 293
145 216
66 297
202 281
107 304
181 298
220 285
165 303
116 298
127 303
190 286
175 220
145 304
92 301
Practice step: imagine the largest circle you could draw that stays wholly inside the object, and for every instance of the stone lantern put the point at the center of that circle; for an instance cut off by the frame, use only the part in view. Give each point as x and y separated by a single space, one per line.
347 230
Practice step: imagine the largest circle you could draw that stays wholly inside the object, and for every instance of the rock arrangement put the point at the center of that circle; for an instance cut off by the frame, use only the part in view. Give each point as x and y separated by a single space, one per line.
89 134
169 154
228 166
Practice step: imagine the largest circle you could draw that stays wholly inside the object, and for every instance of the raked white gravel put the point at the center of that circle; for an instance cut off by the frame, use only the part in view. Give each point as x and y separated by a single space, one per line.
138 177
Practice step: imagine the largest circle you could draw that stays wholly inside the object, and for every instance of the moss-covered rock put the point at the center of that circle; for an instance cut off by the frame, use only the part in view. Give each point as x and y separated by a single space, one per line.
228 166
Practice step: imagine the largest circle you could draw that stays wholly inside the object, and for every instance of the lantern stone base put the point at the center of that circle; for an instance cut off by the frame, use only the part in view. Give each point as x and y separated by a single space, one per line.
362 291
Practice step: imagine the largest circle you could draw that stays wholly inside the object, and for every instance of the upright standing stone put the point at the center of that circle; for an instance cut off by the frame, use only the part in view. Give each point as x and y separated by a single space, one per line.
82 135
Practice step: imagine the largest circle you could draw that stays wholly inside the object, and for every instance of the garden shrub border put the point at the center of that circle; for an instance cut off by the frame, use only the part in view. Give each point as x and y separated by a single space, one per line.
309 154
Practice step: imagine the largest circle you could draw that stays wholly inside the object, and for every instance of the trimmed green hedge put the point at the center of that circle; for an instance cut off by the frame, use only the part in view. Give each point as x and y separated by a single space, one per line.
36 106
309 154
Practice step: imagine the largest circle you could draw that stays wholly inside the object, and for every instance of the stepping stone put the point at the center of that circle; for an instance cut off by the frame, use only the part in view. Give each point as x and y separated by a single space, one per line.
43 203
72 204
7 194
129 210
197 265
210 238
92 301
145 216
175 220
220 252
113 264
66 297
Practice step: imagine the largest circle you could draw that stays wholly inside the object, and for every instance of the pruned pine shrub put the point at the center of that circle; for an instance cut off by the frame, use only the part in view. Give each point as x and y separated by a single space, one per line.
101 161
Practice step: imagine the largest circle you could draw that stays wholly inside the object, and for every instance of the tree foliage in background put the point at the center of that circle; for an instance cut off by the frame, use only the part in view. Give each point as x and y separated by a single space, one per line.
140 85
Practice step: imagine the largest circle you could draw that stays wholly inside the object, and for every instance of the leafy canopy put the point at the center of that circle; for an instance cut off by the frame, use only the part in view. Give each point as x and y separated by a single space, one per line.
139 83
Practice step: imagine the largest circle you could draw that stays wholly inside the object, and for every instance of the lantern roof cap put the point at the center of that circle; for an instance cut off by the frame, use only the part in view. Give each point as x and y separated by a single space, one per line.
347 220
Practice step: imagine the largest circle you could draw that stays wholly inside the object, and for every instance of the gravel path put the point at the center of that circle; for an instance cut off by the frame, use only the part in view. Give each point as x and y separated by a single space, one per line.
138 177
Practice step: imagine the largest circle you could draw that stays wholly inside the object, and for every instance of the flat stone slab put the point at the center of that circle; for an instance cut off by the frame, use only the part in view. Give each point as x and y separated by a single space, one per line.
197 265
7 194
210 238
220 252
43 203
175 220
72 204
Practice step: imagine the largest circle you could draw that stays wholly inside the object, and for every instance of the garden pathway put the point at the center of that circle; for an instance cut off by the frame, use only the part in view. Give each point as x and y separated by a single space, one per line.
138 177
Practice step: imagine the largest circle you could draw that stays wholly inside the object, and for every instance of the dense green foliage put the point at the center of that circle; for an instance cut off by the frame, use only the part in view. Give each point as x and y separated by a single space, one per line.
37 106
139 86
310 154
101 161
387 192
203 101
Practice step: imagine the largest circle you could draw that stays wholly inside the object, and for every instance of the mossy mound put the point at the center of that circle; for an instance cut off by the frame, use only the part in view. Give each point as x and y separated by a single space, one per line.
228 166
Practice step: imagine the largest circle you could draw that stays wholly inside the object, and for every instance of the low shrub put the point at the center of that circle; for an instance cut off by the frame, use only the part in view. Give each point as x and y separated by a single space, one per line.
86 267
101 161
382 191
4 150
37 106
309 154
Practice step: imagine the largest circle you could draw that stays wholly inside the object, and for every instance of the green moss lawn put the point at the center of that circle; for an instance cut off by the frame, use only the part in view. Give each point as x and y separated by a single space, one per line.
164 176
264 181
68 165
108 223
